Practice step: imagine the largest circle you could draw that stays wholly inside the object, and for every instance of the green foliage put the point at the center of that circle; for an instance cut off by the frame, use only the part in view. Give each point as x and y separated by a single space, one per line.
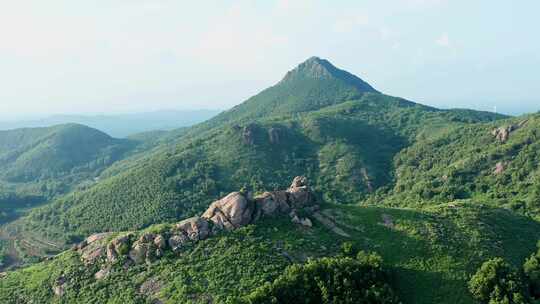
531 268
42 153
496 282
461 162
431 253
347 151
328 280
348 249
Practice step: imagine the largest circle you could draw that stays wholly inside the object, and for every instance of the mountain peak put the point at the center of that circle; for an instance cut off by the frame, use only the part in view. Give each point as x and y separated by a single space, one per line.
321 69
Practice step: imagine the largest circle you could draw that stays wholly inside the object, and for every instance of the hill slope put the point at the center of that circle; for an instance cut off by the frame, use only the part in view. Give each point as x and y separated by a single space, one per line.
345 146
39 164
42 153
495 163
430 255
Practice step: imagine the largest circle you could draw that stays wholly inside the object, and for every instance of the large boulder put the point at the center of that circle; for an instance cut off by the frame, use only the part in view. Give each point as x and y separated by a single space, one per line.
299 193
160 242
92 254
272 203
503 133
177 241
97 237
194 228
120 246
267 204
60 285
231 212
145 249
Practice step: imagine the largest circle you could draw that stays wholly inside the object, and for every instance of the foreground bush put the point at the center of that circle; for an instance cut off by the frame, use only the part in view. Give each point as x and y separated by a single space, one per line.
496 282
329 280
532 272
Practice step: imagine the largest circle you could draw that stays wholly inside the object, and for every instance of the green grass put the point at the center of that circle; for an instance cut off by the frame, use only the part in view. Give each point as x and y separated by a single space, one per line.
431 255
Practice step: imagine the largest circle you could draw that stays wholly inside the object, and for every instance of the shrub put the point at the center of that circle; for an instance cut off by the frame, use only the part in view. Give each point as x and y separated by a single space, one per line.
532 272
496 282
329 280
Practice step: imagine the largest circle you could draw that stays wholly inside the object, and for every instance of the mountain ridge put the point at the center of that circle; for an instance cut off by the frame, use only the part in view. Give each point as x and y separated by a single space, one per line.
318 68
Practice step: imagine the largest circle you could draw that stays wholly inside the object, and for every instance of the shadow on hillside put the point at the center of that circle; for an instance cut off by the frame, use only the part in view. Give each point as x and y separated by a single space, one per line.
425 287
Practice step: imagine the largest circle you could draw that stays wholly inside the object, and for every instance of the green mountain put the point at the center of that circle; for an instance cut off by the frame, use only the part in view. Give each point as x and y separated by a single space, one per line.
39 164
314 84
318 121
43 153
434 193
493 163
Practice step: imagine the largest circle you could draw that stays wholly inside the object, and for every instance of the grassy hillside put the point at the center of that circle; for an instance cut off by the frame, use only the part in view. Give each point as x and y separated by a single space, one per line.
346 149
470 162
434 192
39 164
45 153
431 254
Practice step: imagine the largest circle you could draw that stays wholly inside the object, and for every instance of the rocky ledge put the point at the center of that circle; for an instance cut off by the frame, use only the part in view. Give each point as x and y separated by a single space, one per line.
231 212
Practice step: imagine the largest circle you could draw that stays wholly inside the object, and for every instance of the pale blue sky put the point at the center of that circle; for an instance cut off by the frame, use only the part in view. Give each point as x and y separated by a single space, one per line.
74 56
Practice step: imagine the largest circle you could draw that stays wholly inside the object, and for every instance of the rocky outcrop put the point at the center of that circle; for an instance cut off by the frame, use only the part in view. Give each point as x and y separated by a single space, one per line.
102 273
367 180
228 213
248 135
502 134
499 168
274 136
151 287
60 286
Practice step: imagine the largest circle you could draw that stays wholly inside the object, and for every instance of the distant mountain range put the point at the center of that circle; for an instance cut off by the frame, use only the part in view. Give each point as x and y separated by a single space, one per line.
121 125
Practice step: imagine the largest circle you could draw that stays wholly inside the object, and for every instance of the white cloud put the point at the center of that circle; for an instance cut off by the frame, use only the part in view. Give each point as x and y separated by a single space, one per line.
350 23
424 3
443 40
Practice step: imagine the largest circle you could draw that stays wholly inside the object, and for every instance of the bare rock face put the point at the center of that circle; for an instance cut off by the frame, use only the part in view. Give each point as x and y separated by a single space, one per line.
194 228
102 273
299 194
503 133
92 253
97 237
142 252
231 212
145 249
248 135
267 203
177 241
160 242
273 136
306 222
499 168
60 286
